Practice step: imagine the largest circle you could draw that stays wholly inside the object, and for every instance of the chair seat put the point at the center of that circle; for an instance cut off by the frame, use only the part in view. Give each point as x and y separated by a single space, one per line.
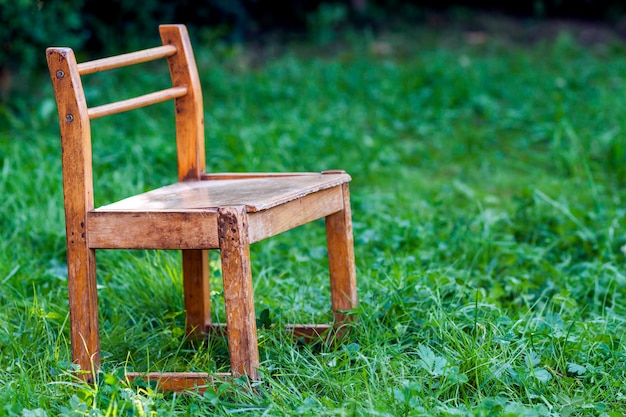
256 192
184 215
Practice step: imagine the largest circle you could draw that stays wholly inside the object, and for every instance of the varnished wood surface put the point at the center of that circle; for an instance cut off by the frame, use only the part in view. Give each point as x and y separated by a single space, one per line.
247 175
189 118
254 193
78 197
189 110
136 102
131 58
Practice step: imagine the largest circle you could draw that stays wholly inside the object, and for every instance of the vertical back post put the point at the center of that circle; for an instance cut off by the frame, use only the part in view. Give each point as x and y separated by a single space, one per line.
78 197
189 110
191 165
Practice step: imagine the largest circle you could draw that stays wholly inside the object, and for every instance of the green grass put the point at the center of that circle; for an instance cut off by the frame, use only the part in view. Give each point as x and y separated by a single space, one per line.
488 202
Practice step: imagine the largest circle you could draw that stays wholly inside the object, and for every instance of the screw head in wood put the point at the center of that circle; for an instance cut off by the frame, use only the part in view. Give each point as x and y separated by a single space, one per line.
60 74
69 118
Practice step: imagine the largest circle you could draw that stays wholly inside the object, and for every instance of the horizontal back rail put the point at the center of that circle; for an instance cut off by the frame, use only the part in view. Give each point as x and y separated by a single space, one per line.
118 61
136 102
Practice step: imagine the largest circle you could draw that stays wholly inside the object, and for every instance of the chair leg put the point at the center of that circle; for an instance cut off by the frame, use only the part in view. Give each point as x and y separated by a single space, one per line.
341 259
83 303
238 293
196 289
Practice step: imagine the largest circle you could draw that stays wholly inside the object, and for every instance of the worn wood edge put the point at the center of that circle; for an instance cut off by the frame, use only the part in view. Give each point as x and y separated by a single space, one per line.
136 102
110 208
118 61
180 381
339 180
149 201
250 175
280 218
306 332
243 347
195 229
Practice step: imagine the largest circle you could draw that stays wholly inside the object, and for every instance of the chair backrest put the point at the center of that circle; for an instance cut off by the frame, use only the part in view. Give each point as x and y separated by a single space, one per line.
75 115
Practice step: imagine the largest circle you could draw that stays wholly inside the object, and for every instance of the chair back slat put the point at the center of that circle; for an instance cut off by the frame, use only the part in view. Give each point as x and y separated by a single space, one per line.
136 102
123 60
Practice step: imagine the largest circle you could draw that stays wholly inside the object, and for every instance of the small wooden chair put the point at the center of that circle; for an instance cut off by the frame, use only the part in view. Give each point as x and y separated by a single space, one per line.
201 211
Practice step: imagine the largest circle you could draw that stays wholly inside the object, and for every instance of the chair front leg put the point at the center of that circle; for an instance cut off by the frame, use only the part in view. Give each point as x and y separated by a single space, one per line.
341 259
238 293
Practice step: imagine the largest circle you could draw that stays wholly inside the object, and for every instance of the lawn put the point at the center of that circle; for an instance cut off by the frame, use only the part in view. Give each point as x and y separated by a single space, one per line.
488 204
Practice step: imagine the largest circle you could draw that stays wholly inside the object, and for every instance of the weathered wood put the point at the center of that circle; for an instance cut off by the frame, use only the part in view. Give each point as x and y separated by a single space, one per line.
280 218
305 332
341 259
123 60
238 294
192 229
196 290
191 164
225 211
248 175
136 102
189 110
180 381
78 198
256 194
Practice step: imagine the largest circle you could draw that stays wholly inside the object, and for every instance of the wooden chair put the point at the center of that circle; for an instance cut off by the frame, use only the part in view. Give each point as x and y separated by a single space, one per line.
199 212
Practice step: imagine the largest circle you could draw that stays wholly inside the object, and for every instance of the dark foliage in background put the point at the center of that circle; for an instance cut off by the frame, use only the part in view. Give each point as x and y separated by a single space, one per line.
605 10
28 26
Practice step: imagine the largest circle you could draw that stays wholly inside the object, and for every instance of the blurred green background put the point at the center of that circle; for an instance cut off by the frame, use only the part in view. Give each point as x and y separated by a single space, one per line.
98 27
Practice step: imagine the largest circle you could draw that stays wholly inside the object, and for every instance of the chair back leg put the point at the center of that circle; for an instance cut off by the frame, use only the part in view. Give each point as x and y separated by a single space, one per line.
196 290
83 304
